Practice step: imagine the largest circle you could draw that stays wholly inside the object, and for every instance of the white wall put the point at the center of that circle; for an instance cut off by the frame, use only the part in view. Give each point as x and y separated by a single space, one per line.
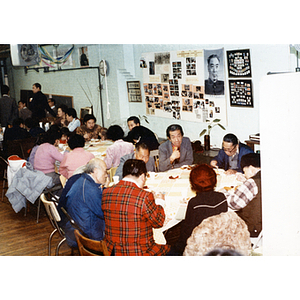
124 60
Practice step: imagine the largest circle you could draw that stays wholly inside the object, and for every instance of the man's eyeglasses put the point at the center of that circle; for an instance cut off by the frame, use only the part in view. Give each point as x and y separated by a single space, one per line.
227 150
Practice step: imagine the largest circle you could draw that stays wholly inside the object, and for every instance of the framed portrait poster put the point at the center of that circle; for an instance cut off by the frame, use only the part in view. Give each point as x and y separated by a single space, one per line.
134 91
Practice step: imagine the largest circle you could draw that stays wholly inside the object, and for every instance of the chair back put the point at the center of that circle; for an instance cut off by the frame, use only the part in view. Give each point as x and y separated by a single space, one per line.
21 147
52 213
155 155
88 247
112 172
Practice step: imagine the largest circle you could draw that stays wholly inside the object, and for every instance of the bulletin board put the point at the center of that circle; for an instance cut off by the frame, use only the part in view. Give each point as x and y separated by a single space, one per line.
177 85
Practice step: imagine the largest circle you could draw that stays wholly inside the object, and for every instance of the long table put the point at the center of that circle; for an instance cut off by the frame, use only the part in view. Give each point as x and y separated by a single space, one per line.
97 147
175 186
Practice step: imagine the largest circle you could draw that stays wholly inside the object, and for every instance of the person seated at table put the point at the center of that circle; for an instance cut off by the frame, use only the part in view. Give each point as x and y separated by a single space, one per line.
76 158
130 214
24 111
71 116
225 230
65 135
246 199
16 132
82 199
32 125
141 152
118 149
103 134
139 133
205 204
229 157
176 151
61 119
47 154
90 130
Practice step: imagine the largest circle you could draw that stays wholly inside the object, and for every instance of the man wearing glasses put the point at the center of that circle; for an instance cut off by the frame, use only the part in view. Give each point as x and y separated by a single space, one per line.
229 157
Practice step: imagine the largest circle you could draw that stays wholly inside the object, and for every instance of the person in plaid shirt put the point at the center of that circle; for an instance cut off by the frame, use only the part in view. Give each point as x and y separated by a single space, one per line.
246 200
130 213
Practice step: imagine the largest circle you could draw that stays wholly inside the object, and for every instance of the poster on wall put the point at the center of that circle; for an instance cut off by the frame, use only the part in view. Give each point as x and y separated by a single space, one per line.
134 91
185 85
239 64
241 92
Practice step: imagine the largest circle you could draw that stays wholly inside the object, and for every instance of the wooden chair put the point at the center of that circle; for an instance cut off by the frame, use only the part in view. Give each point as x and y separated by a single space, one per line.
155 155
88 247
54 218
112 172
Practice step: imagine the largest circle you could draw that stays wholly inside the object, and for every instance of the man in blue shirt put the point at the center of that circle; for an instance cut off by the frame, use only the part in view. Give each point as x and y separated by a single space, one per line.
229 157
82 200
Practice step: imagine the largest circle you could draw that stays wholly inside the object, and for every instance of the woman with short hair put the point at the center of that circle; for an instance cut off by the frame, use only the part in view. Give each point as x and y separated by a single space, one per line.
205 204
89 130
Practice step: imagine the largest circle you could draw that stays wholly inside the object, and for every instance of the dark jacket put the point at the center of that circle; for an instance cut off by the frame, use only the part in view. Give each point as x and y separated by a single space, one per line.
143 135
38 105
223 159
8 110
204 205
83 203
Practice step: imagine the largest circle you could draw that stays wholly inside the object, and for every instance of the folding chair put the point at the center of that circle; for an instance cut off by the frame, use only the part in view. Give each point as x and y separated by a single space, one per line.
54 217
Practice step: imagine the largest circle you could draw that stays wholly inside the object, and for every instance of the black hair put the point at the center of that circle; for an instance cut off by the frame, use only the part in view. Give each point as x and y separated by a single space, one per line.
72 112
115 132
31 123
17 122
141 145
88 117
76 141
212 56
250 159
52 100
22 101
223 252
38 85
4 89
231 138
174 127
134 167
63 107
65 131
52 136
135 119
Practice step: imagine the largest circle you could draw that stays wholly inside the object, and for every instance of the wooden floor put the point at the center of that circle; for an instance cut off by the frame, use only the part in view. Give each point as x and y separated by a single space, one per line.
21 235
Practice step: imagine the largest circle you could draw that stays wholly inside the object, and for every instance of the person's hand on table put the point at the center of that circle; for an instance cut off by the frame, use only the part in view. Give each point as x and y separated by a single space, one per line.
230 172
214 163
241 177
159 199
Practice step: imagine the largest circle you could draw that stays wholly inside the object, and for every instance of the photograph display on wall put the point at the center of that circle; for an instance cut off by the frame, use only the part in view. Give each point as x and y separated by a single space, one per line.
241 92
239 64
185 85
134 91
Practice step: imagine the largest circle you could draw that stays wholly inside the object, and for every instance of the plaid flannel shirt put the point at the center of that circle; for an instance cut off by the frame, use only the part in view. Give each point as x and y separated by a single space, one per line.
130 213
242 195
